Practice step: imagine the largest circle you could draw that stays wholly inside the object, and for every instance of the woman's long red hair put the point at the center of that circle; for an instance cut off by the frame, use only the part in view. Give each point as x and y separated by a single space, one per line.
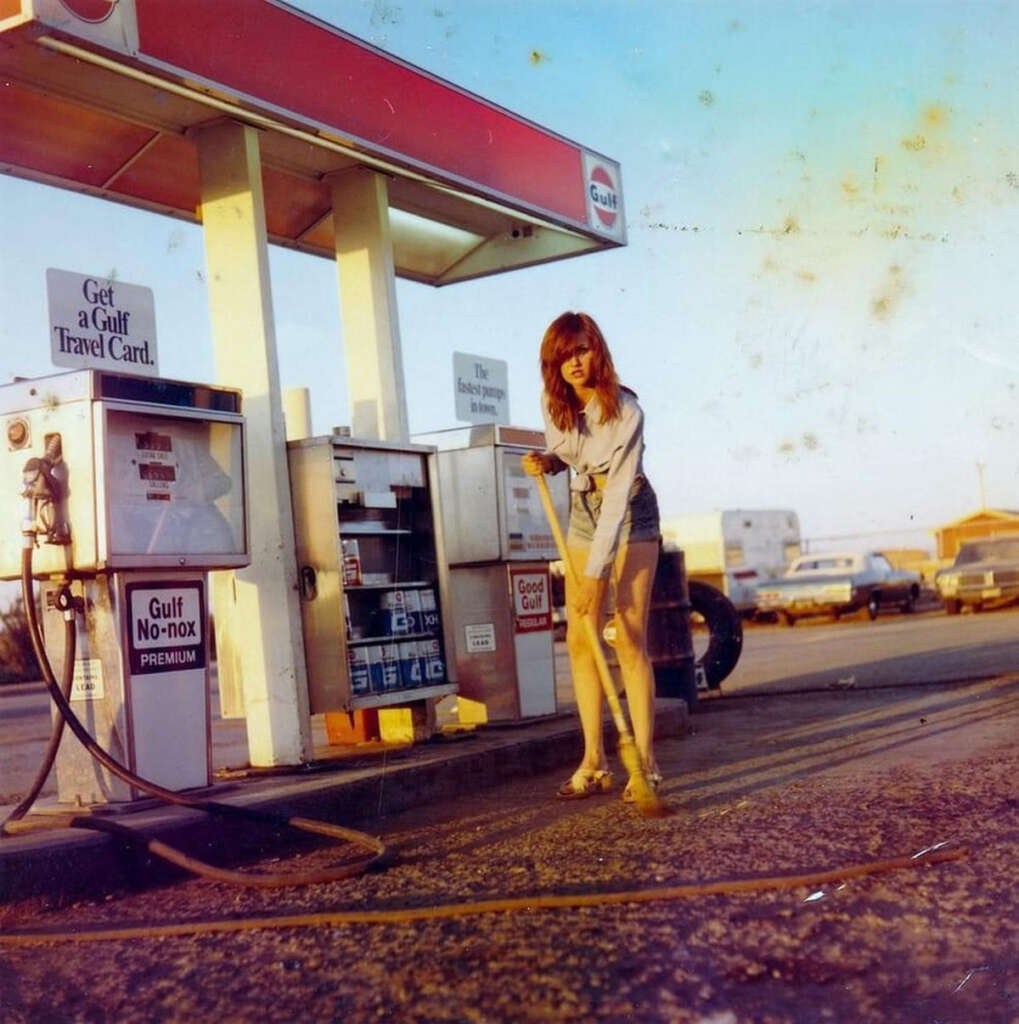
562 338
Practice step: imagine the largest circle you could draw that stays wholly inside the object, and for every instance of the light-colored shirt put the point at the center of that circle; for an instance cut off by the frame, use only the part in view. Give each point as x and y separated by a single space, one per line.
593 448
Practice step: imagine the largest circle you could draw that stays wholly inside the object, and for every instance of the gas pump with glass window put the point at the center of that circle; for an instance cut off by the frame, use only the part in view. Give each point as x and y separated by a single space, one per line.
499 546
119 494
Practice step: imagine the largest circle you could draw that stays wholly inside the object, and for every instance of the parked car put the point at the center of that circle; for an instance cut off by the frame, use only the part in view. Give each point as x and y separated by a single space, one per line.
984 572
837 584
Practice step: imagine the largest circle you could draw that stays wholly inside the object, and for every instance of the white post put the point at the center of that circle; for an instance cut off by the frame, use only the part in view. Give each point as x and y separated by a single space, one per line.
258 624
371 330
297 413
371 343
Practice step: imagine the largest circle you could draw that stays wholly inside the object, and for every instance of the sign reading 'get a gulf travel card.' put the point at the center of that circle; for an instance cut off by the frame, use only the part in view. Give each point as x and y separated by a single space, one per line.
101 324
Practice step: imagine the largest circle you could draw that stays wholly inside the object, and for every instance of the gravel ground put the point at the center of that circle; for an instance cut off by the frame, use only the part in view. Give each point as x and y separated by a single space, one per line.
759 793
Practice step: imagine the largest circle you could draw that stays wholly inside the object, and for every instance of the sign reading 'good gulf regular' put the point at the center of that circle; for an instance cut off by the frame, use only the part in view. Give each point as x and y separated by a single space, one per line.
102 324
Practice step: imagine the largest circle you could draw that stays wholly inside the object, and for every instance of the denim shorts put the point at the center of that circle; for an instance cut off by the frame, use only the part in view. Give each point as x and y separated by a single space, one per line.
640 522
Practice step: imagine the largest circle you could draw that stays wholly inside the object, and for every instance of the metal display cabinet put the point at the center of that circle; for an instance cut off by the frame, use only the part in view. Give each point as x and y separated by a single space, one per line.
372 570
499 545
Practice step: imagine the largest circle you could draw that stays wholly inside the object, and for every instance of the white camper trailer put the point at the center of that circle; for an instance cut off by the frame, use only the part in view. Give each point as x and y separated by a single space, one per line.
735 549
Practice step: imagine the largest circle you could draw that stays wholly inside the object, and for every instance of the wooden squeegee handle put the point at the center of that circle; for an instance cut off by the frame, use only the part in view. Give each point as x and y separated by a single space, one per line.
591 630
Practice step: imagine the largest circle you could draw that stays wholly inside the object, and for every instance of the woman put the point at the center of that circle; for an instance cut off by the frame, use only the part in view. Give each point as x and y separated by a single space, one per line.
595 427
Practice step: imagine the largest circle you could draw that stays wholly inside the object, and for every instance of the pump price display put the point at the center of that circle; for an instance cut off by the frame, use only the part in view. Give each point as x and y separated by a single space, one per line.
166 632
157 471
532 604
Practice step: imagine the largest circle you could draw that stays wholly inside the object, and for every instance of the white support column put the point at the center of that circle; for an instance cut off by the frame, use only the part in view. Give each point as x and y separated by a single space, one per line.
258 622
297 413
371 330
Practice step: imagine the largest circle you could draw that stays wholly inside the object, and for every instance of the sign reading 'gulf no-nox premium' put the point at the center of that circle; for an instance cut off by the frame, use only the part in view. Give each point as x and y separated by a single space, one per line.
167 626
102 324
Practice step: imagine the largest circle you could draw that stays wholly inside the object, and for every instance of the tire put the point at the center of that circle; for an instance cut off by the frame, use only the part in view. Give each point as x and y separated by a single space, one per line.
952 606
786 619
872 607
726 629
909 605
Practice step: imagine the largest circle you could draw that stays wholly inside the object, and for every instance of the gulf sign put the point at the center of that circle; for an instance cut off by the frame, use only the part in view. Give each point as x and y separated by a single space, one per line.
110 23
90 10
532 599
604 196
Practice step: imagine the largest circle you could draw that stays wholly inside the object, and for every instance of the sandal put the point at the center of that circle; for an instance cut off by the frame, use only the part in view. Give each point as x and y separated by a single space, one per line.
654 780
585 782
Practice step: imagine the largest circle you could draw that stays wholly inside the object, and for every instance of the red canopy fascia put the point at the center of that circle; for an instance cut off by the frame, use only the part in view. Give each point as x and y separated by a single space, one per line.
99 95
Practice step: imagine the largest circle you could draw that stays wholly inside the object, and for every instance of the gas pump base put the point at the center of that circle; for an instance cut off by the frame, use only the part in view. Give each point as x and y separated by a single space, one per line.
141 684
56 809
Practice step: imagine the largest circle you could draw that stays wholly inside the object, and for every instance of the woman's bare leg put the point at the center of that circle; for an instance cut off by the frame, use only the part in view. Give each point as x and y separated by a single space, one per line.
634 574
586 684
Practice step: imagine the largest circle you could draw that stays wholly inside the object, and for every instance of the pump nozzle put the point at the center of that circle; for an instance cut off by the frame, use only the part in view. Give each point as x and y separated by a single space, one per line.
42 490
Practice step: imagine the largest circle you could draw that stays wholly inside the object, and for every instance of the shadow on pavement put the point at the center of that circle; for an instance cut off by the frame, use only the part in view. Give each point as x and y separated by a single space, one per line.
961 662
797 744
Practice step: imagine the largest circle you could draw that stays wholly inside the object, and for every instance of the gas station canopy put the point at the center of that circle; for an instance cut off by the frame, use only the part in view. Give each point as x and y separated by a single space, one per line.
99 96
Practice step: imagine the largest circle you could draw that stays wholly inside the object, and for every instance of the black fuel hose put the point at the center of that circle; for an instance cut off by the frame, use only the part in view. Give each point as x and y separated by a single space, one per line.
160 849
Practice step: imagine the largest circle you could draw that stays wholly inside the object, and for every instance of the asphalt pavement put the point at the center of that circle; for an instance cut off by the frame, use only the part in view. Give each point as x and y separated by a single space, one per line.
764 786
363 782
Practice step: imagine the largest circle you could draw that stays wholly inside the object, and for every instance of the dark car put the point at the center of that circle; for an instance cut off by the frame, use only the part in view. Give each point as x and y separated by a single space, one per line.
984 573
837 584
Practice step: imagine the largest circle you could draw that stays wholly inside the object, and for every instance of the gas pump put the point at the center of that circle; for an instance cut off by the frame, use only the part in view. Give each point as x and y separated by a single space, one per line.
131 490
499 546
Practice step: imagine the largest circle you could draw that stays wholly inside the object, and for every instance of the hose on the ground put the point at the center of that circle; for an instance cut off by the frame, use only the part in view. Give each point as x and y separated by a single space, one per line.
229 811
340 918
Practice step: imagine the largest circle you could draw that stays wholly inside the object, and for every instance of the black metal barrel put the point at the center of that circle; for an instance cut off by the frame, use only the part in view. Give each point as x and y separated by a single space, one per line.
669 640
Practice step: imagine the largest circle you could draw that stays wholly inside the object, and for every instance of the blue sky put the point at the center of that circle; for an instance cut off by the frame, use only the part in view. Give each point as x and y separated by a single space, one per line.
816 302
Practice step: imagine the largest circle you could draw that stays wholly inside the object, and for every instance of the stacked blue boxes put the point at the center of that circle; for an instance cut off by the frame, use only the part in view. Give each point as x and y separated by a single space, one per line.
360 673
393 609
